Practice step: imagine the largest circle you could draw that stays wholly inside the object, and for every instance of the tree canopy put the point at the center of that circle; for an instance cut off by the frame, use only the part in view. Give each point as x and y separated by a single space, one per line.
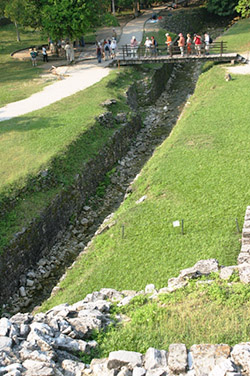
222 7
243 8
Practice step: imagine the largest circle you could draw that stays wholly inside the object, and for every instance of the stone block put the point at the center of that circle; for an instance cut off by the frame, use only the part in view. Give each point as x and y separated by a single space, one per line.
177 357
118 359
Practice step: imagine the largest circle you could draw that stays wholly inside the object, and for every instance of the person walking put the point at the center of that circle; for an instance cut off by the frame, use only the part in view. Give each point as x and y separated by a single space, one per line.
107 50
189 44
45 55
133 44
197 44
99 52
113 48
147 45
169 44
67 51
154 46
181 43
207 42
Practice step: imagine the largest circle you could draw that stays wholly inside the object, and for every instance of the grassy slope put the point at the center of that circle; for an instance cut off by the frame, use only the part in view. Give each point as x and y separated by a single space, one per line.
199 174
237 36
19 79
30 143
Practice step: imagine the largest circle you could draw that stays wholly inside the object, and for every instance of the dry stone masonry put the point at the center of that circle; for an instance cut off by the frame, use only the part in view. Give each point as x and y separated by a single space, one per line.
54 343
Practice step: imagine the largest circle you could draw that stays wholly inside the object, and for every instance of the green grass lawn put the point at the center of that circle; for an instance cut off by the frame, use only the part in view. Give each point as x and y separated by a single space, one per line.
18 79
60 137
237 36
199 174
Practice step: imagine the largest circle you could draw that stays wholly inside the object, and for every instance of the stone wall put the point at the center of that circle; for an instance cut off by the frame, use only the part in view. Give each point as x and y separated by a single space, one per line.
53 343
35 241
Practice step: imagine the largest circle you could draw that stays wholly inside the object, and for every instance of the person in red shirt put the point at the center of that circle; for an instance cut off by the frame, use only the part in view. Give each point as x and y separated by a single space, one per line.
197 44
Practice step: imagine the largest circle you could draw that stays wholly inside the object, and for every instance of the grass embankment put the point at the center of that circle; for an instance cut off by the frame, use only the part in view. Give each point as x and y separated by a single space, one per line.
59 138
18 79
237 37
199 174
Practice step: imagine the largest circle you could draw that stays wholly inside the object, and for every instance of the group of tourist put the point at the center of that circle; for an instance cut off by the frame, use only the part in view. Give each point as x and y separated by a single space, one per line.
197 41
107 48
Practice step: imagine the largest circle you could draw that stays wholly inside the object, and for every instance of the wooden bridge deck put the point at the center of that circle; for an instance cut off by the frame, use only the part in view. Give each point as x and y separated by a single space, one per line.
128 60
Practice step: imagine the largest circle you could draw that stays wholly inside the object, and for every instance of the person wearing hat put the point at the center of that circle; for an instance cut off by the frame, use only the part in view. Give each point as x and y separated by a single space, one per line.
133 44
181 43
169 44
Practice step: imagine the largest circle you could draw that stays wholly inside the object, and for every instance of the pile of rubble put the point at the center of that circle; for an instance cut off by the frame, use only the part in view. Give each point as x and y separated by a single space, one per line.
57 342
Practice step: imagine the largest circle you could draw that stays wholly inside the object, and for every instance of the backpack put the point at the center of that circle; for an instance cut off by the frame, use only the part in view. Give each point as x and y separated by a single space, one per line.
156 44
106 47
210 40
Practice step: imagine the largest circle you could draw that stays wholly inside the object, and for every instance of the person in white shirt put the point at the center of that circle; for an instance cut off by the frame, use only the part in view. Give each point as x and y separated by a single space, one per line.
147 45
207 42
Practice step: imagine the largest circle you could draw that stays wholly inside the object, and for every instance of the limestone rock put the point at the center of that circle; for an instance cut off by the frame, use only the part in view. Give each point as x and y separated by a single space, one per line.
139 371
5 326
176 283
244 272
118 359
223 369
202 267
150 289
241 356
34 368
5 343
72 368
155 358
205 357
227 272
177 357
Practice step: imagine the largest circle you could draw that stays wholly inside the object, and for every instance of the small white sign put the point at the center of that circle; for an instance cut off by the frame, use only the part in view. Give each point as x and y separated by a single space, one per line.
176 223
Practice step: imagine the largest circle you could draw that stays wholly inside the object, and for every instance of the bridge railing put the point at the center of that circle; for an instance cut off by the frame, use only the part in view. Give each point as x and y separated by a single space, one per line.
127 52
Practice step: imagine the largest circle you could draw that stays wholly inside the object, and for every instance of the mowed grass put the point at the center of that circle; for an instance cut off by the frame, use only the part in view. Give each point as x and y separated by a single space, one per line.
199 174
18 79
237 37
60 138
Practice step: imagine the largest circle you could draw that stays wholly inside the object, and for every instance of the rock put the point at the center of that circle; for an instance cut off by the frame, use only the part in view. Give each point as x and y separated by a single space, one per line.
202 267
65 343
112 294
5 343
42 328
205 357
109 102
241 356
36 355
176 283
125 372
84 222
139 371
227 272
29 282
244 273
22 318
223 369
24 330
106 119
155 358
157 372
143 198
118 359
5 326
34 368
22 292
121 117
72 368
244 258
150 289
177 357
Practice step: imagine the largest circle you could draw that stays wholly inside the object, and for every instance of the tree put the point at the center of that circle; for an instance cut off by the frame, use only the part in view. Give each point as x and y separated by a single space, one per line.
222 7
14 11
243 8
71 18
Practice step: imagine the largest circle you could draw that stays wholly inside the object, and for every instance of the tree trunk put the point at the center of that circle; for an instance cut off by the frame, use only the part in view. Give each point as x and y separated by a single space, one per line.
136 8
17 32
113 7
